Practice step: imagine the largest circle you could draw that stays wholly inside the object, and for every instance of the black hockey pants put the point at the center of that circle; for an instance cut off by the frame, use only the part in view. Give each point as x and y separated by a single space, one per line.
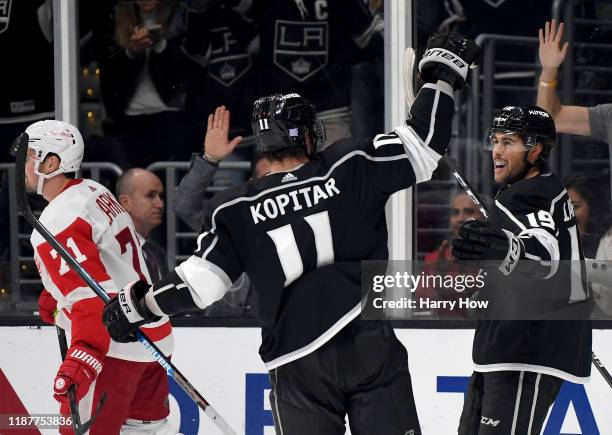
362 372
507 403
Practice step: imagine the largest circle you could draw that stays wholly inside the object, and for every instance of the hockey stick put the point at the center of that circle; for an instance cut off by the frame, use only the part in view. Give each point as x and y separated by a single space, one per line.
74 407
465 186
19 150
78 427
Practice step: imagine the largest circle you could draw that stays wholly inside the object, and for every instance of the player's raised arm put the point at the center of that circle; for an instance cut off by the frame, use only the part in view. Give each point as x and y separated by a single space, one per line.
424 138
568 119
195 284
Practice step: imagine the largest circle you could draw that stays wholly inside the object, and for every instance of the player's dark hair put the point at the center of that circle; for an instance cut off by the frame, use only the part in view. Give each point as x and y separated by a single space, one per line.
71 175
542 164
257 157
285 153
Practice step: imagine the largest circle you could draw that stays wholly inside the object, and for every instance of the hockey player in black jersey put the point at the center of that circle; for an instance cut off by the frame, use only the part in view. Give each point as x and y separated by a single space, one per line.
300 233
521 357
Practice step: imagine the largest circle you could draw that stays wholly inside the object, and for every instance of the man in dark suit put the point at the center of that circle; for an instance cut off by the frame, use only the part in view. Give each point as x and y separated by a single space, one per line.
141 193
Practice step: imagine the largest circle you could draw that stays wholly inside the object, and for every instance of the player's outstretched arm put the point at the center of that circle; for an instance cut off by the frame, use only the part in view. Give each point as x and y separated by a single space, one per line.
195 284
568 119
411 153
444 68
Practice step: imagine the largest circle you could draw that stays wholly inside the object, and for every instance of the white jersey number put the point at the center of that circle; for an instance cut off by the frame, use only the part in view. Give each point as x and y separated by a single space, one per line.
542 219
76 253
287 248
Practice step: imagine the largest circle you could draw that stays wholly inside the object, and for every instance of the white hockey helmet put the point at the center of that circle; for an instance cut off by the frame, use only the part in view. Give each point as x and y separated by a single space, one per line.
57 137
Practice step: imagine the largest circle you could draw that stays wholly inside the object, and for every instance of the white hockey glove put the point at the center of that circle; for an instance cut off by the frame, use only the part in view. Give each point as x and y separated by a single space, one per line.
481 242
126 312
448 57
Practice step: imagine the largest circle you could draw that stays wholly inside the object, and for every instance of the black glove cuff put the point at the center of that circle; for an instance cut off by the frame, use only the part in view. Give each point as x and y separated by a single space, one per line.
139 290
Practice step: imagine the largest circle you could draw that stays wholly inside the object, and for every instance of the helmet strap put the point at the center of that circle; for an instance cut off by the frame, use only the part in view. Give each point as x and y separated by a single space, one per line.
42 177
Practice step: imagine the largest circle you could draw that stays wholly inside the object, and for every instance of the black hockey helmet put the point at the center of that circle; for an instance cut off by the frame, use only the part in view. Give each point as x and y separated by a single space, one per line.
532 123
282 121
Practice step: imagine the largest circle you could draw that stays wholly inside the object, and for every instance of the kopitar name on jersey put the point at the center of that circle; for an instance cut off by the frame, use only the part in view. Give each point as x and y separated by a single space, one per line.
294 200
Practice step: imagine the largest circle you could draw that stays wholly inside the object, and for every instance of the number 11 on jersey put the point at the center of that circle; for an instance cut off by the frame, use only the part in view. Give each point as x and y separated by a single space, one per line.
287 248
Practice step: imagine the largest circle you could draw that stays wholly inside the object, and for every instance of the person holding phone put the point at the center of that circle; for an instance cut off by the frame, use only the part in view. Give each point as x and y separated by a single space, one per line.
143 76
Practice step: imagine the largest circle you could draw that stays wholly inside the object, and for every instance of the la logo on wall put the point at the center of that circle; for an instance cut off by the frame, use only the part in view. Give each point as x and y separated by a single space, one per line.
5 14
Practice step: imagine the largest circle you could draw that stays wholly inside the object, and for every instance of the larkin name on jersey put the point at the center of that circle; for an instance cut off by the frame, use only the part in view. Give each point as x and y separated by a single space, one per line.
95 229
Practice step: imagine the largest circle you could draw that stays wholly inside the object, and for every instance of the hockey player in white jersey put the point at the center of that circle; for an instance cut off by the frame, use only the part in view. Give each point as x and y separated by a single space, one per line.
87 219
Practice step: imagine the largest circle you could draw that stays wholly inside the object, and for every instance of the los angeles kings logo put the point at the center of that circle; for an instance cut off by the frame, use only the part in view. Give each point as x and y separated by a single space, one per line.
301 48
5 14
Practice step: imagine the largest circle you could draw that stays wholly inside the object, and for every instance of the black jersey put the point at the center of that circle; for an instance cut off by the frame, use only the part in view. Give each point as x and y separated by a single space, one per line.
540 212
307 46
300 235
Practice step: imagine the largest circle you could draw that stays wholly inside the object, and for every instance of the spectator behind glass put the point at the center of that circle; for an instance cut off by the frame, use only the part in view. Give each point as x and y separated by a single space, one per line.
592 208
144 74
220 39
462 209
439 261
141 192
309 47
192 206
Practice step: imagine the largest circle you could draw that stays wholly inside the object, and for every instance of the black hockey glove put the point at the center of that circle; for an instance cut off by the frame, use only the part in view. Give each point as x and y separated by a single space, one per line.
481 242
448 57
124 313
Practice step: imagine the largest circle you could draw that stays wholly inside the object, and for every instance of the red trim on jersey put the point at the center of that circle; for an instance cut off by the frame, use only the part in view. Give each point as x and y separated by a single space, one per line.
87 326
79 234
71 183
159 332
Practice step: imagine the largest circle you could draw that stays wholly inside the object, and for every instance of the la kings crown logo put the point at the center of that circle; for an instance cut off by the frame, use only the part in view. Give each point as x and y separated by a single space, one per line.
5 14
229 60
301 48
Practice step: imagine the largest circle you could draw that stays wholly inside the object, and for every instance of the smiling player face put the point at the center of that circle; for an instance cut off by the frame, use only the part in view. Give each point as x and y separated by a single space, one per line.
508 156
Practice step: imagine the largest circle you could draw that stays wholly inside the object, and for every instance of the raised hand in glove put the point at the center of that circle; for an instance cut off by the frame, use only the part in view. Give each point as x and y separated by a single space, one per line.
448 57
480 241
127 311
81 367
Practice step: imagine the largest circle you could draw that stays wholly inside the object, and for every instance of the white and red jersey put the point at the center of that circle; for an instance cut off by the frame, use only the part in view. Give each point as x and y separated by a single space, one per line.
87 220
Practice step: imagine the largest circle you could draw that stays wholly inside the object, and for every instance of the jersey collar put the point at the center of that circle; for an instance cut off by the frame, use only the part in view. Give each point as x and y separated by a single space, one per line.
71 183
